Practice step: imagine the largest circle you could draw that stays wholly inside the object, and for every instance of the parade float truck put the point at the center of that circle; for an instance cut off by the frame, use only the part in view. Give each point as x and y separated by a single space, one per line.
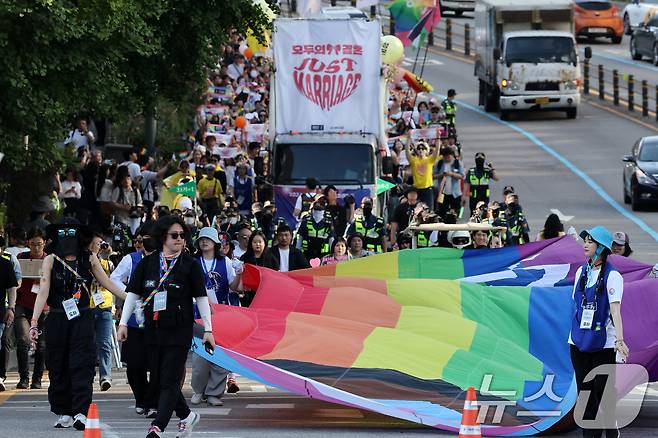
326 108
526 56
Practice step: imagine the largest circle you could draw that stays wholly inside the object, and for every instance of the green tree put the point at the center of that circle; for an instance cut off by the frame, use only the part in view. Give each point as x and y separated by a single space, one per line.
108 58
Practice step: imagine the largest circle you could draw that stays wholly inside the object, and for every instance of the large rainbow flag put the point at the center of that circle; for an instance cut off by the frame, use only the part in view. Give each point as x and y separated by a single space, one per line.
406 333
414 19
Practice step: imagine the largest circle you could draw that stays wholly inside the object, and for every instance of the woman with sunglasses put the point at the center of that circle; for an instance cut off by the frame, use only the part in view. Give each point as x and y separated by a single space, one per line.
166 282
65 286
597 330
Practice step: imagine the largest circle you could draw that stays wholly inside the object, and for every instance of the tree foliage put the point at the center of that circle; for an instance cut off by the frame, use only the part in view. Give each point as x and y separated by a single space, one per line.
108 58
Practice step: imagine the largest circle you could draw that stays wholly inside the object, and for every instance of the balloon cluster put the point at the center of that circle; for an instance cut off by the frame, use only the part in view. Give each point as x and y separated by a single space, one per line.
392 50
392 54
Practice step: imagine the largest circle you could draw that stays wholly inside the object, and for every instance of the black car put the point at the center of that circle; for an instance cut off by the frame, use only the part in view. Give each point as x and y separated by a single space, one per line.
641 173
644 41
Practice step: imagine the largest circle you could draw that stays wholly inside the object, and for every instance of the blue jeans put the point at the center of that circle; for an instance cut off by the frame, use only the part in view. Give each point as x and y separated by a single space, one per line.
103 327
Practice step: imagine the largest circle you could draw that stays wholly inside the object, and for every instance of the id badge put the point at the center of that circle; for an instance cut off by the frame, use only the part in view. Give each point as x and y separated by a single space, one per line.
212 296
70 308
98 299
160 301
587 319
35 288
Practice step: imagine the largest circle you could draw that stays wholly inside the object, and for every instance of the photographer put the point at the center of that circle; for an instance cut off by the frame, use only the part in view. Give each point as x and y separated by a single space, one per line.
477 182
126 198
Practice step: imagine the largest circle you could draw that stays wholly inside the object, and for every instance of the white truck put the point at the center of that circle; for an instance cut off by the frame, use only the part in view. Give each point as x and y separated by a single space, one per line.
327 101
526 56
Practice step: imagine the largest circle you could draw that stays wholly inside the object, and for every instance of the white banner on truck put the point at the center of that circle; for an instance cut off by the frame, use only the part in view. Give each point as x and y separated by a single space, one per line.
327 75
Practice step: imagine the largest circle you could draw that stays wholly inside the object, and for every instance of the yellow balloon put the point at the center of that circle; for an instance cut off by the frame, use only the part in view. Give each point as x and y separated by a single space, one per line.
392 49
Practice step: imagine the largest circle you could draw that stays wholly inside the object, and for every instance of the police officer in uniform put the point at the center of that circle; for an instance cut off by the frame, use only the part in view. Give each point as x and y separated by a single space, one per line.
68 273
306 199
514 219
166 282
315 232
450 109
477 181
597 330
371 227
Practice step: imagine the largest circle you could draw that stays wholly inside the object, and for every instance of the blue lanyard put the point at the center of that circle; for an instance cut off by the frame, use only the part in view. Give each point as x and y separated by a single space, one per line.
203 266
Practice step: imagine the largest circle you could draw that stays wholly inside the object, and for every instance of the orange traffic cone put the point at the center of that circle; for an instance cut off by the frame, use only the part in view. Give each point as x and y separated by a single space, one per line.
93 424
470 427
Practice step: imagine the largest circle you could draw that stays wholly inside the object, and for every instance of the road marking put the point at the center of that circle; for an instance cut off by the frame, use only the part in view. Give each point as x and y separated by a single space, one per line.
621 114
270 406
561 216
569 165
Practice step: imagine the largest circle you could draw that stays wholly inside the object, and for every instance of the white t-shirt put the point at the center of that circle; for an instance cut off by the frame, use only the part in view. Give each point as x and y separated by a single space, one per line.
79 139
230 272
615 289
68 185
148 176
238 252
284 263
133 169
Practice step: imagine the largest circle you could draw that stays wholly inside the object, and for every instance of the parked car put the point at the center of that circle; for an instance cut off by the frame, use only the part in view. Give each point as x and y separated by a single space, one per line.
644 41
641 173
598 18
458 7
637 12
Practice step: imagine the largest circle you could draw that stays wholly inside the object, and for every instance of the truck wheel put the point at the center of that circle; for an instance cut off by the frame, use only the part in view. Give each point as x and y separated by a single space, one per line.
617 39
504 114
572 113
490 99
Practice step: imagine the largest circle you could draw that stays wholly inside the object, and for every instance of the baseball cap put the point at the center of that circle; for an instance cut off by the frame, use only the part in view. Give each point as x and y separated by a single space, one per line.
619 237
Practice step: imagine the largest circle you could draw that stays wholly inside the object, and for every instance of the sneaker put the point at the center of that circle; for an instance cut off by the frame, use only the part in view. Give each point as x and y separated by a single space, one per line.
154 432
139 410
196 399
23 384
79 422
152 413
64 422
2 385
231 386
105 384
215 401
36 384
186 426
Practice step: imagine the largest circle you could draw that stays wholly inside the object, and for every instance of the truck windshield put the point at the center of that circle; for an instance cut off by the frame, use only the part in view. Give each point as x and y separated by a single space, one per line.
537 50
328 163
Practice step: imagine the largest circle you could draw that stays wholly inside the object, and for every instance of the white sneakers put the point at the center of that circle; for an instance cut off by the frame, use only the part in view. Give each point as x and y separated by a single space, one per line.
64 422
196 399
186 425
79 422
215 401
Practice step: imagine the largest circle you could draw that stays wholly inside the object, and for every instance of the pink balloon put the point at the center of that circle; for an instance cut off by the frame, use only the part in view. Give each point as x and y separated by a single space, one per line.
315 262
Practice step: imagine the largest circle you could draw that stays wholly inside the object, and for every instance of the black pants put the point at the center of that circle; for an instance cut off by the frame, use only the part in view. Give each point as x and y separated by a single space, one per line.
427 196
132 353
7 345
70 359
450 202
167 364
583 363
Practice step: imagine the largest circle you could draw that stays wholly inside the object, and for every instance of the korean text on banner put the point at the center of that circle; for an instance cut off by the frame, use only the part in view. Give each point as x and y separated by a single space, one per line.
327 75
424 134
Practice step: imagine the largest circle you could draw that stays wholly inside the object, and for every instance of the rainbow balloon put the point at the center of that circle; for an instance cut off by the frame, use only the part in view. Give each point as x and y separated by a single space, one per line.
406 333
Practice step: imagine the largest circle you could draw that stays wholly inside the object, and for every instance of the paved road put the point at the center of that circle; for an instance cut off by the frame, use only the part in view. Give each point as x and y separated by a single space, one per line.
256 411
528 151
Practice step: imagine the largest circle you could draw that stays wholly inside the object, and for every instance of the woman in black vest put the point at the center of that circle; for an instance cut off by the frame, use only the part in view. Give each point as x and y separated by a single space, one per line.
70 345
166 281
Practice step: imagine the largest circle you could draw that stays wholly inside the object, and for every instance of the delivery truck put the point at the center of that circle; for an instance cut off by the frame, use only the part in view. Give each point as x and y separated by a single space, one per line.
526 56
327 118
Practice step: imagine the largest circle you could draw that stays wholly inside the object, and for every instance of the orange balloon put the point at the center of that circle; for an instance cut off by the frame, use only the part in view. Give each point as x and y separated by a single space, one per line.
240 122
248 53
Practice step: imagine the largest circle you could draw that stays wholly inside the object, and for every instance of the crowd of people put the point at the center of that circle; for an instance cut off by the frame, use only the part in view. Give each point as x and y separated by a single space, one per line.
128 231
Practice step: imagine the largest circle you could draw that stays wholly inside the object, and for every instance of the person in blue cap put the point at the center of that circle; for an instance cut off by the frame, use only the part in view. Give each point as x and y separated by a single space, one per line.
597 331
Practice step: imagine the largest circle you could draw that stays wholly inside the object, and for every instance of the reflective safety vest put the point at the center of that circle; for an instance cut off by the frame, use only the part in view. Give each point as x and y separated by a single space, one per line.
373 240
450 108
479 186
307 200
423 239
317 235
515 229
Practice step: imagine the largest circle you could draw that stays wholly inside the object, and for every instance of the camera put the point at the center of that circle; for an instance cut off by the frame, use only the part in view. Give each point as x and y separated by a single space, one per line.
104 246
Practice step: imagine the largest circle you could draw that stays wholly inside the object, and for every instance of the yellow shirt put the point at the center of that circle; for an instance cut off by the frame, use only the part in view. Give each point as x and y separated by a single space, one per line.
421 171
108 299
209 188
167 197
